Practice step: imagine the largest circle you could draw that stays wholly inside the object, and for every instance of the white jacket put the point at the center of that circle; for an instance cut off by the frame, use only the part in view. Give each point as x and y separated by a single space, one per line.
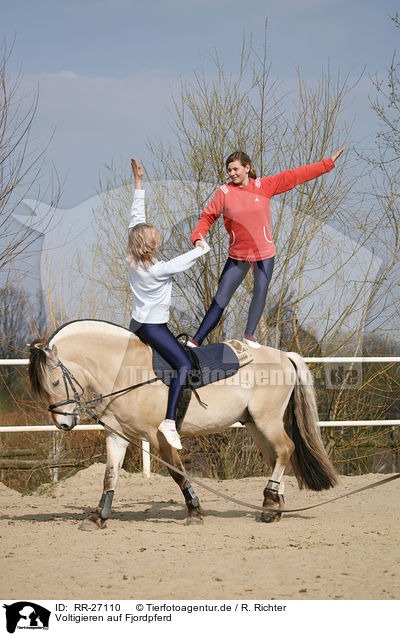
151 286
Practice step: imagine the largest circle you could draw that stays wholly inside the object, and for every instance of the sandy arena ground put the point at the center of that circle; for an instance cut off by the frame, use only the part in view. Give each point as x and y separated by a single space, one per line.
349 549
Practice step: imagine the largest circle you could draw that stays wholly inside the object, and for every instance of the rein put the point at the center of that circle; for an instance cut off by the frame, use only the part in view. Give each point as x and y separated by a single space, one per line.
69 379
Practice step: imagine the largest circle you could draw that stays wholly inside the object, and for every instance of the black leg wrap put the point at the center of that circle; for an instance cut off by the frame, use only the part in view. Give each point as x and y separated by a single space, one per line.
190 495
272 485
106 504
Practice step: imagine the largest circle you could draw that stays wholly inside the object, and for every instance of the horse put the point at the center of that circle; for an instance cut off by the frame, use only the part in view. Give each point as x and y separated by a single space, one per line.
273 396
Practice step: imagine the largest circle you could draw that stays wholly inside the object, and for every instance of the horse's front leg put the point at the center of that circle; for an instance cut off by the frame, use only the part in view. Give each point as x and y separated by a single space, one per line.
116 449
194 511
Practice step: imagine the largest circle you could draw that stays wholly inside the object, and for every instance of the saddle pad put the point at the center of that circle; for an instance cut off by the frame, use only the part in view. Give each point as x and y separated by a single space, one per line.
216 361
242 351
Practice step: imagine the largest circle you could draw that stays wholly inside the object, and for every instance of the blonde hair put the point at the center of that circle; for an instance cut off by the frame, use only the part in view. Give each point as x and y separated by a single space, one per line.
143 242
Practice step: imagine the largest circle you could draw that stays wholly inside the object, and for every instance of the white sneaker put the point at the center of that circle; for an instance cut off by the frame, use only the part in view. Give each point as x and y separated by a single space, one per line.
252 343
191 344
170 433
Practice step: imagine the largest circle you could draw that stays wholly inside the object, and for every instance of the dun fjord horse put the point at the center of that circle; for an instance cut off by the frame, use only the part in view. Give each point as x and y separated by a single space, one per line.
273 396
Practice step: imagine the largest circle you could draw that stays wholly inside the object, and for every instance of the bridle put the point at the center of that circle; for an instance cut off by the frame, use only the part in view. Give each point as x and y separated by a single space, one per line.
69 382
82 405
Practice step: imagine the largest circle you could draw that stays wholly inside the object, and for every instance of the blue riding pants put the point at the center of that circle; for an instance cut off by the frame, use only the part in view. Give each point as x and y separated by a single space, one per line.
230 279
164 342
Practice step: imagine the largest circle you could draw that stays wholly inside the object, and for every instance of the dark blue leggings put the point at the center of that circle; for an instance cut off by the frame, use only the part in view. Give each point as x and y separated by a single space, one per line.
230 279
164 342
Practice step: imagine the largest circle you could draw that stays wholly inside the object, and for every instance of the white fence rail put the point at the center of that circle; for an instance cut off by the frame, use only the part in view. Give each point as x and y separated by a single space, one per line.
146 445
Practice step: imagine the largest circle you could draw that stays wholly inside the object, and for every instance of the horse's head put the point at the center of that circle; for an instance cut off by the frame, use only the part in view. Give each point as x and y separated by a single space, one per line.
55 384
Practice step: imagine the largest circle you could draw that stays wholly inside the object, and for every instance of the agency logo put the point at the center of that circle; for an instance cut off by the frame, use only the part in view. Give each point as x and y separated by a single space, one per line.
26 615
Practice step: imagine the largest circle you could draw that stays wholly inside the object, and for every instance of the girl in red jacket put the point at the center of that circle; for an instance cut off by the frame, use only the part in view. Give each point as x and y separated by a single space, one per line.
245 205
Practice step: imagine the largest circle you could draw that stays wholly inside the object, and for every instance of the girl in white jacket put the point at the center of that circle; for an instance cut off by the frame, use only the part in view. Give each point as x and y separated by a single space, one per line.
151 284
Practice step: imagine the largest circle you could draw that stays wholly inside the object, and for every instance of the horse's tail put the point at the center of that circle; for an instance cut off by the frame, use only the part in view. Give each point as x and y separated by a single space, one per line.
311 464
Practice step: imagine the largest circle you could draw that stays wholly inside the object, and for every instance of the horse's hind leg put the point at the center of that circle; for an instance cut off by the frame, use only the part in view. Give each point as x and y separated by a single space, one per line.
194 511
116 448
277 449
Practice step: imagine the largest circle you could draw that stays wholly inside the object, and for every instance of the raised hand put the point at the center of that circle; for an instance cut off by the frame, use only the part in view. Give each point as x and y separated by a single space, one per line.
137 172
337 154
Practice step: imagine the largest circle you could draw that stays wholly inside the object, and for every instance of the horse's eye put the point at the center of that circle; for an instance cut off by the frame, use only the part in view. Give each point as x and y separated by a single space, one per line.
56 383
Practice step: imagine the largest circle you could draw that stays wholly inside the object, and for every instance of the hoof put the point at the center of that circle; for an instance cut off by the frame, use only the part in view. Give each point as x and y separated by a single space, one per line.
194 521
271 500
92 522
270 517
89 526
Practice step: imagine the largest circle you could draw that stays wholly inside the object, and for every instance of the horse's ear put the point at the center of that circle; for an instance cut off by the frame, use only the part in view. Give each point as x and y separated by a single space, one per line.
36 345
53 352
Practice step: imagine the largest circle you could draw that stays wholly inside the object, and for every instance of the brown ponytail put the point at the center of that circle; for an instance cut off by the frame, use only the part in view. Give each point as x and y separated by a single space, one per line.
244 159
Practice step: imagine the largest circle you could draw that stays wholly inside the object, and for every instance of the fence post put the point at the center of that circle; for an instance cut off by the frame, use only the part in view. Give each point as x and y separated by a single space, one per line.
146 457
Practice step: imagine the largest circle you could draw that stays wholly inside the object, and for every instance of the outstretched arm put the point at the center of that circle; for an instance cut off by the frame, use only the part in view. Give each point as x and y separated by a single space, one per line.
291 178
164 270
138 213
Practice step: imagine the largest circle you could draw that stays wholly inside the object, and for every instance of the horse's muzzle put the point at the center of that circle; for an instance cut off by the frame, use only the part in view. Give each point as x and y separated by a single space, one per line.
64 426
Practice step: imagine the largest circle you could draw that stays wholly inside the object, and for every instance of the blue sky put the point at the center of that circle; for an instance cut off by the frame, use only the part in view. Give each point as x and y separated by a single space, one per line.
105 68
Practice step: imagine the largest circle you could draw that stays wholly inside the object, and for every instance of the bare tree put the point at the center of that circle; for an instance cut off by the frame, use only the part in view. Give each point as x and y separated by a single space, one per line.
23 166
217 113
322 232
22 163
386 104
376 394
330 279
